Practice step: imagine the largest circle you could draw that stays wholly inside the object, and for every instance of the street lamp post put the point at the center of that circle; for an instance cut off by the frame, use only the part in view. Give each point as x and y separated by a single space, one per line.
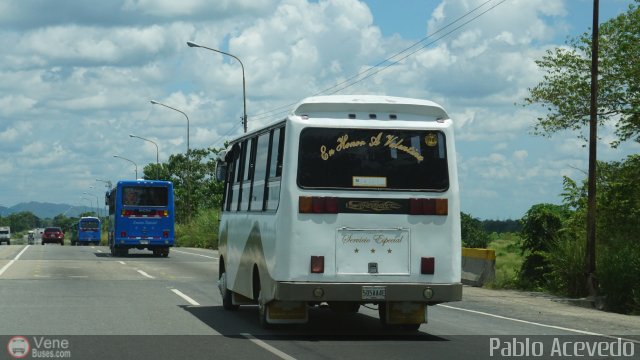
108 185
188 157
244 93
106 182
157 153
90 201
181 112
97 209
131 161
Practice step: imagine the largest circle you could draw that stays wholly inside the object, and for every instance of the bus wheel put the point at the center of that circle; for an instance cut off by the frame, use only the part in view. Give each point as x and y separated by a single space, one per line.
113 250
344 306
262 312
227 296
410 327
382 313
165 252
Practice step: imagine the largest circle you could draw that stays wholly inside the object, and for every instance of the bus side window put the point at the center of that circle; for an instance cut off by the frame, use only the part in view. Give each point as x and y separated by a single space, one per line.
275 169
247 175
235 181
259 172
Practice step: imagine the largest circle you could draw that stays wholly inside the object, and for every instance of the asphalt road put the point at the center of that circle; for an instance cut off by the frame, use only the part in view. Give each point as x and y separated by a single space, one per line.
140 307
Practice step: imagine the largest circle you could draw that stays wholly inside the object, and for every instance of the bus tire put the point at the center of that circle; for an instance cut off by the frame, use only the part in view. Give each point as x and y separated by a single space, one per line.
410 327
262 313
382 313
227 295
344 307
165 252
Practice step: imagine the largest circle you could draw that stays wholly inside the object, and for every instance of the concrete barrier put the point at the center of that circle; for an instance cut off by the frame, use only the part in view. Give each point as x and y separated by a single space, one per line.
478 266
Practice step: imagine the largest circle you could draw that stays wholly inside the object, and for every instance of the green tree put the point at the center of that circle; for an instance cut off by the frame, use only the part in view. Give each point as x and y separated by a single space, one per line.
618 229
472 232
21 221
541 229
565 89
195 187
64 222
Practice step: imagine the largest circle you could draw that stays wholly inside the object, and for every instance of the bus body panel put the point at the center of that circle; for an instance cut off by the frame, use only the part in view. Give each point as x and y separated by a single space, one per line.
89 230
280 244
149 224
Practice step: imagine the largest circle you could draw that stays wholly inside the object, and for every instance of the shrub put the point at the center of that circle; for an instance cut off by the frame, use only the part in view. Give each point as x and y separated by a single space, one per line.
567 263
472 232
618 273
201 231
541 228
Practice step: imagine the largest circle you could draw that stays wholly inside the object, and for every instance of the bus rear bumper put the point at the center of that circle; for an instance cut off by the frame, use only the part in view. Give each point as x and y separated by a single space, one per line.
368 292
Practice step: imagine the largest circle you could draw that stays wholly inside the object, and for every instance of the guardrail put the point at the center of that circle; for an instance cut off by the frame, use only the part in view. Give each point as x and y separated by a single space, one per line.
478 266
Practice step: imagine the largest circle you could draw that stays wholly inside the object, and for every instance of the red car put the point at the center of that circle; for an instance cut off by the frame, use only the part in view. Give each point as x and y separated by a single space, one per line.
53 235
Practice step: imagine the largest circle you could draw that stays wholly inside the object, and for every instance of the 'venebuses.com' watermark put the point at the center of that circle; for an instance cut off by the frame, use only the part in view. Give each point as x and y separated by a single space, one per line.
38 347
559 347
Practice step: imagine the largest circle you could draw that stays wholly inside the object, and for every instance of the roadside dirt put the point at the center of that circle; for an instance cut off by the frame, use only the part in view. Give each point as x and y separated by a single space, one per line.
548 309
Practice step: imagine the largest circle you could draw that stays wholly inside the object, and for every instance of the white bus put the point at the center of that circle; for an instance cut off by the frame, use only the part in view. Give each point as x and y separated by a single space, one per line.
349 200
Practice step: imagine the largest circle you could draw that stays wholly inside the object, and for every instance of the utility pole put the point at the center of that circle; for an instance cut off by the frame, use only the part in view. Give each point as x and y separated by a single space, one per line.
592 284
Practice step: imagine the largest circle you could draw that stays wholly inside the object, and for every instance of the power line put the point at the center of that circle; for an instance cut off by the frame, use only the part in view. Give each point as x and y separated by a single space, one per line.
273 112
418 50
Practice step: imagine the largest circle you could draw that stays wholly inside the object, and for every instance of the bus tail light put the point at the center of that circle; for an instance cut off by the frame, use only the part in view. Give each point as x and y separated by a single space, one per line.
317 205
123 234
165 234
427 265
305 204
317 264
428 206
331 205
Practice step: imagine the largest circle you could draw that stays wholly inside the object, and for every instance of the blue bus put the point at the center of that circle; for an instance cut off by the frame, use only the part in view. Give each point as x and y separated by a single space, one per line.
141 216
89 230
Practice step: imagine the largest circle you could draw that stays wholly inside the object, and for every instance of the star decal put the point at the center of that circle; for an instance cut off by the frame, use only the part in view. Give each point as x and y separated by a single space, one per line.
389 251
373 251
356 250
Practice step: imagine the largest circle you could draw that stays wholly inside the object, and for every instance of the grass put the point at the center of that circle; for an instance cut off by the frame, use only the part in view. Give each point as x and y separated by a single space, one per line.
508 260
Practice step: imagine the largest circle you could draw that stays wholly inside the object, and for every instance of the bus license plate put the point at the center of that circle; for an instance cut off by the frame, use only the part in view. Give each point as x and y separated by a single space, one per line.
374 293
144 242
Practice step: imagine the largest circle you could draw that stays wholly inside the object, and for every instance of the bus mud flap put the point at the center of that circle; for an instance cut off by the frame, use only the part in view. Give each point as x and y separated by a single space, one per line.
287 312
405 313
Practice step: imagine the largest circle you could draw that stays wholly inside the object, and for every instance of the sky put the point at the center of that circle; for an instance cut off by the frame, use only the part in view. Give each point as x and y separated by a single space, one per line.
77 78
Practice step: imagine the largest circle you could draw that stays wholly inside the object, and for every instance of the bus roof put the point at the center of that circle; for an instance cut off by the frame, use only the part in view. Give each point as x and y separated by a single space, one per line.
342 105
144 182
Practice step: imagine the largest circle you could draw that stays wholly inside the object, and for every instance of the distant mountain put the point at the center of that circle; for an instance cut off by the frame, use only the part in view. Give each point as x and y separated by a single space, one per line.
46 210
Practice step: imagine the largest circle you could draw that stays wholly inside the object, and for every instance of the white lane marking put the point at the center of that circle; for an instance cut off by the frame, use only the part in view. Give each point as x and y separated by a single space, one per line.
144 274
185 252
540 324
269 348
122 262
185 297
4 268
78 276
98 250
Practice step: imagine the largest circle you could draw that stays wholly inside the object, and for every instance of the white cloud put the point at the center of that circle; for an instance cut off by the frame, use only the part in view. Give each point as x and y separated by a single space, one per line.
520 154
78 77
